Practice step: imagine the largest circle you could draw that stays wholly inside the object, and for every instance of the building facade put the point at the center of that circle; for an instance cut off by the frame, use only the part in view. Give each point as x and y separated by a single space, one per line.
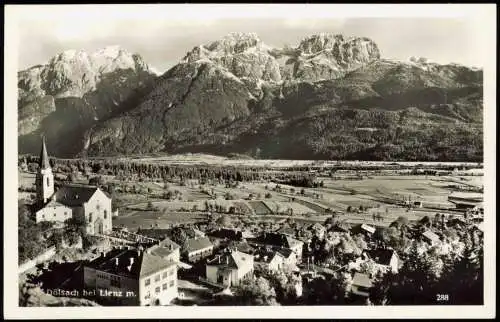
230 268
131 277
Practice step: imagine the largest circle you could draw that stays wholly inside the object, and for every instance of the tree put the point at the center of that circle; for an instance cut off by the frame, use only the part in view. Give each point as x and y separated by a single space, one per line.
255 292
268 195
224 221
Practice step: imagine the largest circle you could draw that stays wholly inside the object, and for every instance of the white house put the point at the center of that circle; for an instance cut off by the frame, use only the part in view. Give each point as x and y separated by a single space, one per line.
131 277
230 268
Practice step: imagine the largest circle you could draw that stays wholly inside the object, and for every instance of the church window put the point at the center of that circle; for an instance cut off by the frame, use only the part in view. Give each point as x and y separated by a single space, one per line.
90 217
48 181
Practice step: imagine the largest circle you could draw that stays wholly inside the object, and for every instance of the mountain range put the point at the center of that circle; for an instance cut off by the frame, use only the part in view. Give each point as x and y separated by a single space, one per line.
328 97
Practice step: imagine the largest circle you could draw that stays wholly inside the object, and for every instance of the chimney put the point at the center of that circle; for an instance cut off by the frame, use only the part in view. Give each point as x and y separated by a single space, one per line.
131 261
116 261
227 260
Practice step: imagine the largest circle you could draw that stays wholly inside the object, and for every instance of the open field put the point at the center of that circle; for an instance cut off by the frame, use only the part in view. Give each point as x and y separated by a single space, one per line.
356 199
206 159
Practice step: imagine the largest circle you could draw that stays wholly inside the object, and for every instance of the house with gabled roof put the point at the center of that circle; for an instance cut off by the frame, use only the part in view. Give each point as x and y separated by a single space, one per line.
318 230
230 268
386 259
281 242
361 285
133 277
431 237
195 249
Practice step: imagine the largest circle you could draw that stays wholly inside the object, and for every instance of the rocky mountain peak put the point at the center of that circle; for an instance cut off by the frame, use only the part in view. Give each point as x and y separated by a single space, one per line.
76 72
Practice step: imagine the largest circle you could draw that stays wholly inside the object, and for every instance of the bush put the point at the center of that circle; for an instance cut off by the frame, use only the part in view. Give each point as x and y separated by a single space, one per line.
268 195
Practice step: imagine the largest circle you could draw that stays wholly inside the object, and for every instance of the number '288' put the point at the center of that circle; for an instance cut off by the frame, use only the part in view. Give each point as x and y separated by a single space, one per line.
442 297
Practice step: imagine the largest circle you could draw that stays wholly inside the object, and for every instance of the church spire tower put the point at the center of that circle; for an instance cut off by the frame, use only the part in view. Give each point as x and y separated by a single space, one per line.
44 176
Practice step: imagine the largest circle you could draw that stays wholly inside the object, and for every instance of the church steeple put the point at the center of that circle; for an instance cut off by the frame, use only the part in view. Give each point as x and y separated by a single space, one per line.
44 157
44 176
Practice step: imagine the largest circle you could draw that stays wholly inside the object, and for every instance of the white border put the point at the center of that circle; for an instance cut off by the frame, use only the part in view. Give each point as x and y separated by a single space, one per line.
485 13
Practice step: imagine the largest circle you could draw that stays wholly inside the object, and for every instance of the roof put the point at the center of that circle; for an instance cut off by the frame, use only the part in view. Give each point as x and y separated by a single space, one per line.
431 235
286 231
118 262
194 244
73 195
381 256
317 226
368 228
278 240
229 233
232 259
285 252
164 248
362 280
266 256
44 157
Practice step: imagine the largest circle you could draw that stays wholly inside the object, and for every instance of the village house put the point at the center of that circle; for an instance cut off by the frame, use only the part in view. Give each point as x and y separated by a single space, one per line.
227 234
230 268
166 249
361 285
283 244
387 260
195 249
318 230
131 277
267 260
86 204
431 237
286 230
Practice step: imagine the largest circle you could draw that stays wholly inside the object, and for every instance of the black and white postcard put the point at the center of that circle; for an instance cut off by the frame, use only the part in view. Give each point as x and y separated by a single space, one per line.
250 161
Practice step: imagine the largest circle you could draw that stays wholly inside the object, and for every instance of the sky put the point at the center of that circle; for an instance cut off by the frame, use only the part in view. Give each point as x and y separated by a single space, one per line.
163 34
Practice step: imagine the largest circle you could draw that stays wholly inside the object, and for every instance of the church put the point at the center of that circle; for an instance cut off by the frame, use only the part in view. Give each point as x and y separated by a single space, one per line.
86 204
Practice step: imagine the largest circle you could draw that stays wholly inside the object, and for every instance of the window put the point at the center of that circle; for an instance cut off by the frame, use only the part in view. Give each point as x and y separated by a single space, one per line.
172 283
48 181
157 278
105 214
65 213
164 286
157 290
54 214
148 295
171 273
165 274
115 281
147 282
90 217
43 216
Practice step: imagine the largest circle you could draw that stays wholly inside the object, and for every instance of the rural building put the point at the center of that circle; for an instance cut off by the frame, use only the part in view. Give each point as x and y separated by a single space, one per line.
269 260
281 243
370 230
361 285
286 230
431 237
166 249
318 230
230 268
195 249
86 204
132 277
386 259
227 234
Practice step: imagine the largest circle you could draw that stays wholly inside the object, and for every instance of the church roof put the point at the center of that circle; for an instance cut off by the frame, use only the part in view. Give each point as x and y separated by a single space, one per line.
44 157
75 195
